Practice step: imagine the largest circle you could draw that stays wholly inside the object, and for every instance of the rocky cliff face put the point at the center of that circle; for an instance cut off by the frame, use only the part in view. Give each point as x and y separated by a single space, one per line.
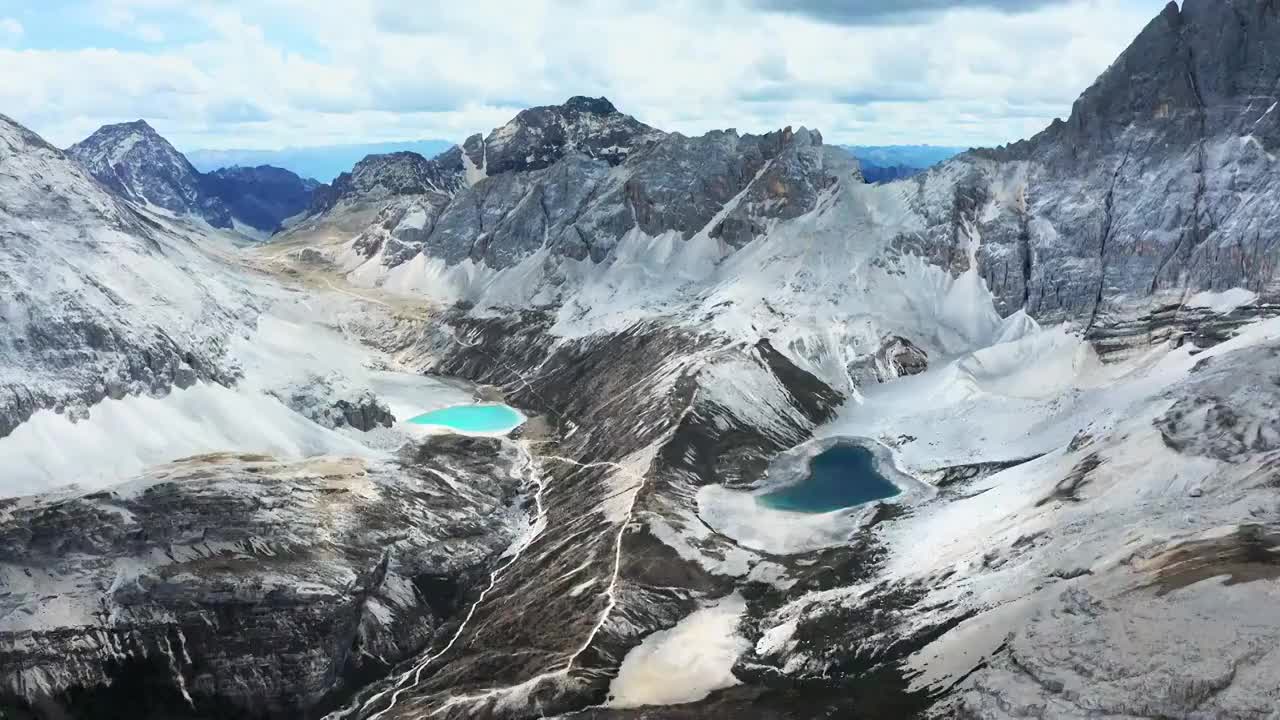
136 163
1157 184
238 584
101 300
383 177
579 206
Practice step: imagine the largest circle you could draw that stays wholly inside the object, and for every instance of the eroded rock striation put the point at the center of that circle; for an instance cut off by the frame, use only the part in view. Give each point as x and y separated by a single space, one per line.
101 299
676 311
1153 185
240 584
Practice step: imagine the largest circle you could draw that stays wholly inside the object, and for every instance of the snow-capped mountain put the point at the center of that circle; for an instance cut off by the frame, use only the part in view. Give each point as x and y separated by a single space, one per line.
583 208
1085 524
100 299
1156 188
136 163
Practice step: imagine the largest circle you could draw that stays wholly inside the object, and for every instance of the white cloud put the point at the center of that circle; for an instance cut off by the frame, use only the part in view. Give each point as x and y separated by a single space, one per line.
10 31
280 72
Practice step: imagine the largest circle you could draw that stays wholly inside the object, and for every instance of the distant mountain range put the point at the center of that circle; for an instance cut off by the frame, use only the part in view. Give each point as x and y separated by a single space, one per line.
133 161
323 163
883 163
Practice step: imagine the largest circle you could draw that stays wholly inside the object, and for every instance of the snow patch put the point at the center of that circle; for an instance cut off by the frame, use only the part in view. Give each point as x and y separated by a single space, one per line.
686 663
122 437
1222 302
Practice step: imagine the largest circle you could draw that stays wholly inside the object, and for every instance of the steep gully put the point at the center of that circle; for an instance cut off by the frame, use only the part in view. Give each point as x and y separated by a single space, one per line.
387 700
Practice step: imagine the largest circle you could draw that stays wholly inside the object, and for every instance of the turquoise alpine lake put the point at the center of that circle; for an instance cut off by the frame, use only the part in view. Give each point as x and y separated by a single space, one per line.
486 419
840 477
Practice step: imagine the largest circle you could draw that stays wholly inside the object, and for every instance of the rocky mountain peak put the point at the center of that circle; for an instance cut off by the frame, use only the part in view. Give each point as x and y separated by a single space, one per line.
538 137
594 106
138 125
379 177
137 163
262 197
1206 68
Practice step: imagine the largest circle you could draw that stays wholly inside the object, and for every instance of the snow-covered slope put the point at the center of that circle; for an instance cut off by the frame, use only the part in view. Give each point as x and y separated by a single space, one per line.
136 163
1058 350
100 299
1064 461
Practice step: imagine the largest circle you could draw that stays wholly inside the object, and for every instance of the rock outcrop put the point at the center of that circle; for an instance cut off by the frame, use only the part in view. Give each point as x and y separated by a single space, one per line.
242 585
1153 185
133 161
383 177
332 403
897 357
101 300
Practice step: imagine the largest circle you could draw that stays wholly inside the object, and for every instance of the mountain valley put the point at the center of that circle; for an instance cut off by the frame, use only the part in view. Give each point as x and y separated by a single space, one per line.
1060 358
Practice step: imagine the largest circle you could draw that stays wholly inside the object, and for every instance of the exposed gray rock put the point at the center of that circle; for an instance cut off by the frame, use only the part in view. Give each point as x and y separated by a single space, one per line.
1123 333
1145 191
240 585
331 403
897 357
100 300
135 162
381 177
1179 658
1233 414
539 137
1161 180
579 201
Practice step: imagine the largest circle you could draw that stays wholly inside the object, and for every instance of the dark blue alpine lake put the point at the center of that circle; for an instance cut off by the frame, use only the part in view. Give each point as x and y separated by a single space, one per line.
840 477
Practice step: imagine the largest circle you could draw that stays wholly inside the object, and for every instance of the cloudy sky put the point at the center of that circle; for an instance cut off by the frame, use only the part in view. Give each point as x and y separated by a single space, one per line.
274 73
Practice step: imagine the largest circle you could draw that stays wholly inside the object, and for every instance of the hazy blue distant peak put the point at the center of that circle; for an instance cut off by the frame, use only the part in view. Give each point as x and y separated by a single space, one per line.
322 163
912 156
